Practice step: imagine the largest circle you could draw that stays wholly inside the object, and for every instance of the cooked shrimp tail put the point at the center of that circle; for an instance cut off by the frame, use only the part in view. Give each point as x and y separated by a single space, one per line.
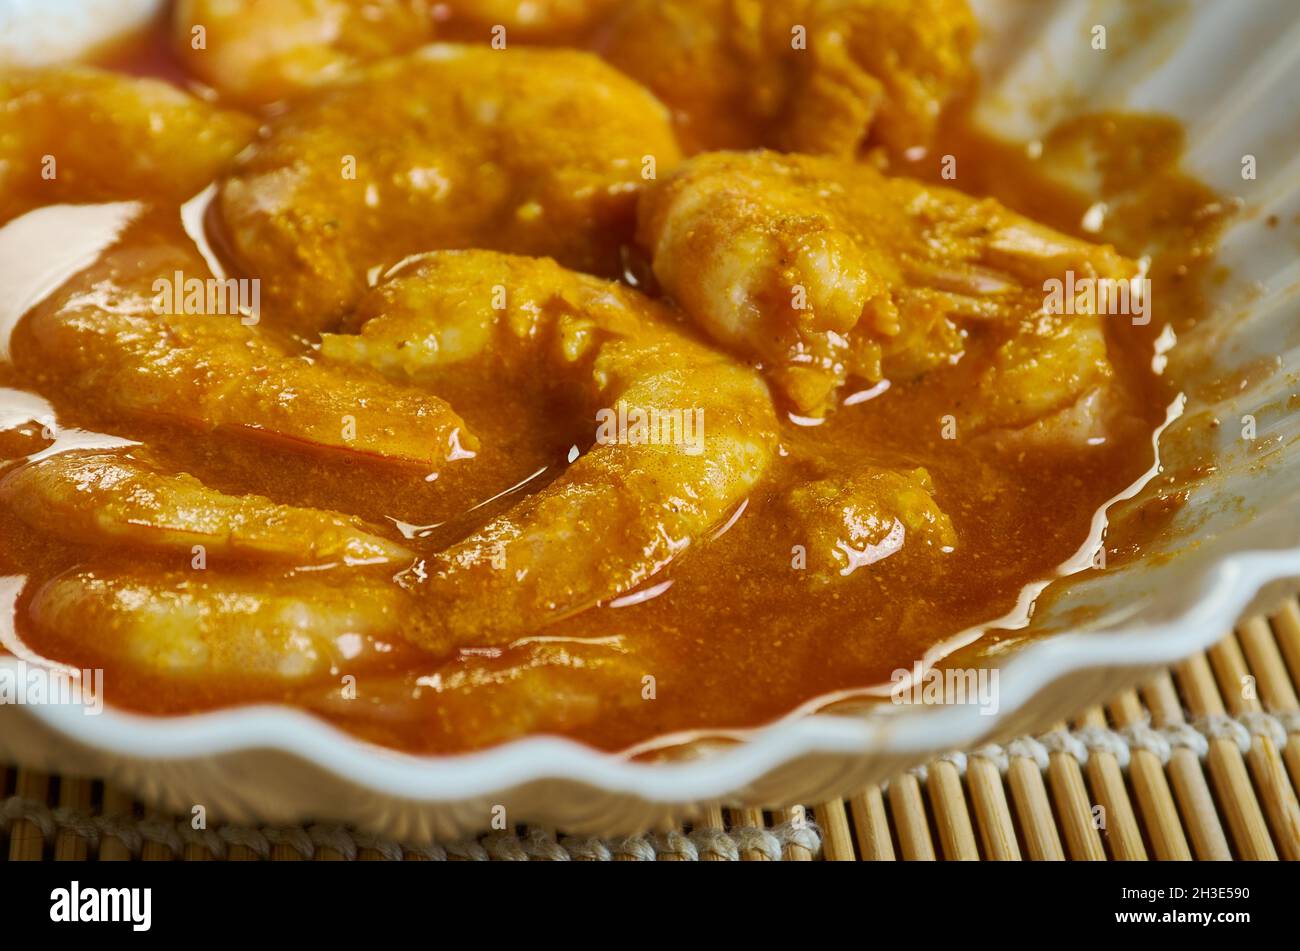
260 630
826 270
112 337
111 498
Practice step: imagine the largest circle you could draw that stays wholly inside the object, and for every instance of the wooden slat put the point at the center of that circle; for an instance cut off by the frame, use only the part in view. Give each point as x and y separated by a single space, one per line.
1147 775
837 841
748 819
1227 769
871 823
1240 691
1037 824
993 817
191 851
26 841
951 817
76 794
908 809
1278 694
155 851
792 852
1106 781
1186 777
712 819
1286 623
117 803
1073 807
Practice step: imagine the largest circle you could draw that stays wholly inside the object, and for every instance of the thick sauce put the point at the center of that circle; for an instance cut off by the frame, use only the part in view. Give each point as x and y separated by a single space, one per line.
732 633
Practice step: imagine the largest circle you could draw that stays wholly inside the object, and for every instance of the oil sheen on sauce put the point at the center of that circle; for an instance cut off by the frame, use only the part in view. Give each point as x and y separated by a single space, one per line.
731 634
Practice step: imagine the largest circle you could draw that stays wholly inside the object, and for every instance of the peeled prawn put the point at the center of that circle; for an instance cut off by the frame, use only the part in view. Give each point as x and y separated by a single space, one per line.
530 19
623 510
526 689
257 51
521 150
103 337
820 76
825 271
259 630
113 498
56 126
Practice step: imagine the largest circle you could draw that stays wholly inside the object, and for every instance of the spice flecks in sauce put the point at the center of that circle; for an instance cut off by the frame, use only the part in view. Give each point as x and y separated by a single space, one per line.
736 635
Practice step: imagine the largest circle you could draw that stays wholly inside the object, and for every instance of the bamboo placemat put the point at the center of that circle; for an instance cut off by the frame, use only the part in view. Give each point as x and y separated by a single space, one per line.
1202 761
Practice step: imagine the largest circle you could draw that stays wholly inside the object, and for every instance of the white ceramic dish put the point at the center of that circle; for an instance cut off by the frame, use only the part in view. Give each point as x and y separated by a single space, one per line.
1229 72
40 32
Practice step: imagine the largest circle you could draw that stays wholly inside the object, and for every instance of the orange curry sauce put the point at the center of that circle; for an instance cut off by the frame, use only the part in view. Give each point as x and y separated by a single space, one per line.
739 637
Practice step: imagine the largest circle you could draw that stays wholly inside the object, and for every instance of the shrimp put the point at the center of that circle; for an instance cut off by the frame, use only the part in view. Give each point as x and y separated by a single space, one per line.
627 507
852 522
263 631
533 20
528 688
57 127
111 336
111 498
821 76
259 51
529 151
825 270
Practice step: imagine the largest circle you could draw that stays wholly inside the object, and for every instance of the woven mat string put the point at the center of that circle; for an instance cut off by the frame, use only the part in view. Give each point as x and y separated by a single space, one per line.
730 845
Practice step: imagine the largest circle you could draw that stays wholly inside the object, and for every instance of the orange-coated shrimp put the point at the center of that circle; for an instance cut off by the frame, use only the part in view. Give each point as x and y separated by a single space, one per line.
112 335
830 77
110 497
626 508
825 270
521 150
258 51
276 631
57 125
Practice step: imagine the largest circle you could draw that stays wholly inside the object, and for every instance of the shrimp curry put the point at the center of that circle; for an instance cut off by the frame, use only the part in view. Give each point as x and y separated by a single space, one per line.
622 371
